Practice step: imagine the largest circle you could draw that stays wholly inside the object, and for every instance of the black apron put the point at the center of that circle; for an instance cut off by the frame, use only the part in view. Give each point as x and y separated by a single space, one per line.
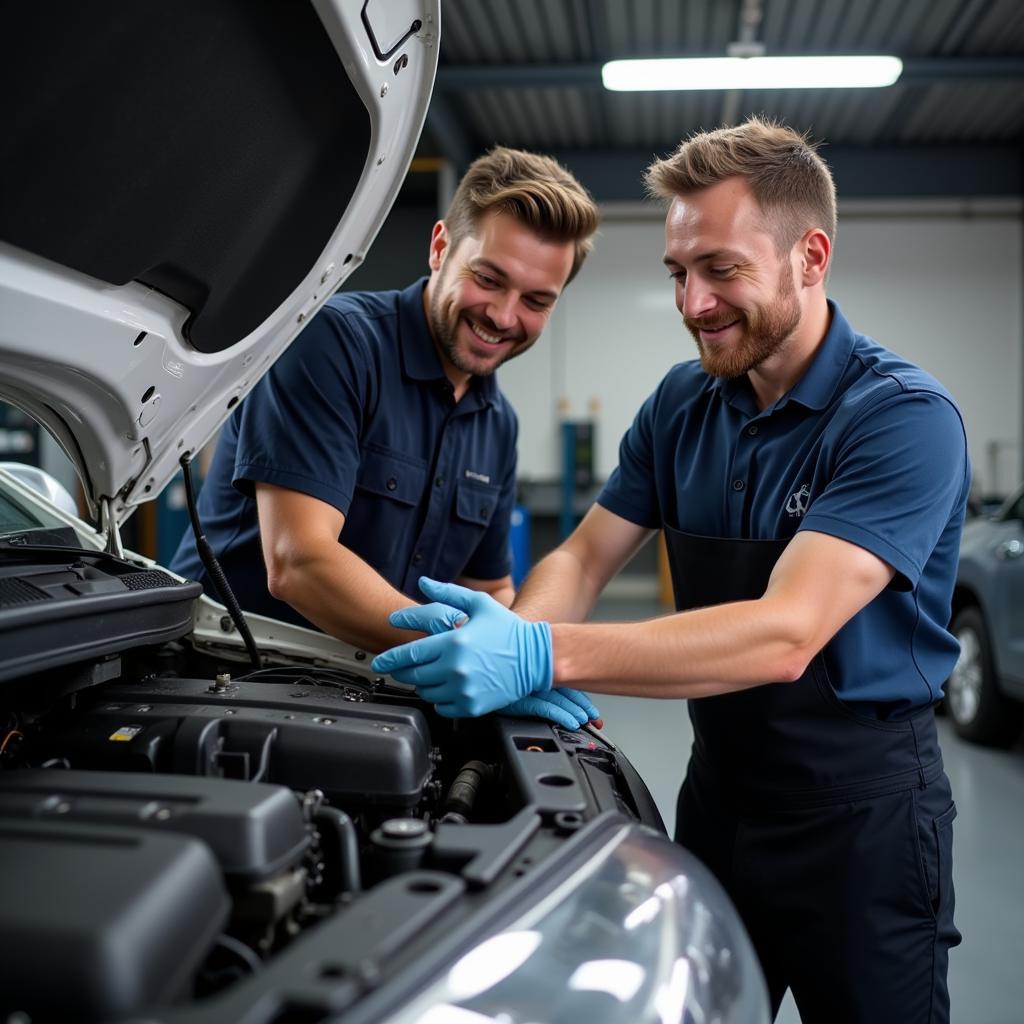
817 816
796 743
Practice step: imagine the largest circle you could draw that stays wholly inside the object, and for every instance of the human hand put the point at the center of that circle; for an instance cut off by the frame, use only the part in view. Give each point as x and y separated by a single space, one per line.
430 618
491 661
562 705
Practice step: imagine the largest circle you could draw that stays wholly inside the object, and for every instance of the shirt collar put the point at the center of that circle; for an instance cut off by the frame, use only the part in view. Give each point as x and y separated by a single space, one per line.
815 388
420 360
737 392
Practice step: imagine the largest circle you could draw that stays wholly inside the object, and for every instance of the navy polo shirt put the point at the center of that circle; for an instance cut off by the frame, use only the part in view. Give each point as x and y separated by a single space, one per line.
358 413
866 447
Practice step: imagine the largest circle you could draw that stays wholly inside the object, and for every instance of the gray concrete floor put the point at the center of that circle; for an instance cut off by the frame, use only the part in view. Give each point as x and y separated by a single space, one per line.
986 974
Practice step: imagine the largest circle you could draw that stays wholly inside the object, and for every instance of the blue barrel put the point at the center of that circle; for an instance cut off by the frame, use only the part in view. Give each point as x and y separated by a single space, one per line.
519 540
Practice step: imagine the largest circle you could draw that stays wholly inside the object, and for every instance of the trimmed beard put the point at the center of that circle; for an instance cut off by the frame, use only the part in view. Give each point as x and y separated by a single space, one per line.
444 335
766 329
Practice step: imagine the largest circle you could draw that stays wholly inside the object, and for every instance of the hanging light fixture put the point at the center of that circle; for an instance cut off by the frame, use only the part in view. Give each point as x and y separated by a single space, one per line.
860 72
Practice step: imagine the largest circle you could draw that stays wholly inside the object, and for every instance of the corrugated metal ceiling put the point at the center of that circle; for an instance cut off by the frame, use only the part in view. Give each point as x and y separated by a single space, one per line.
965 86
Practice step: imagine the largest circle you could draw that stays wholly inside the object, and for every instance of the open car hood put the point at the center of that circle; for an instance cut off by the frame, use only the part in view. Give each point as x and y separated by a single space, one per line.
185 185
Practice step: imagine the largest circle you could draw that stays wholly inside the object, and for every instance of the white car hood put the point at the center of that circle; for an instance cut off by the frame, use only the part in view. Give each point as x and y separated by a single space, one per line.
129 374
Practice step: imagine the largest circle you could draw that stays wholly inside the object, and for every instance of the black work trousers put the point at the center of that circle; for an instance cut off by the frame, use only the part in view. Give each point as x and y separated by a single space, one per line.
850 905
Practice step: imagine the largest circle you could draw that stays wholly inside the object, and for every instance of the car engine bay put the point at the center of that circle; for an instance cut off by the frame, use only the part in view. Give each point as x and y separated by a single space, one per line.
180 831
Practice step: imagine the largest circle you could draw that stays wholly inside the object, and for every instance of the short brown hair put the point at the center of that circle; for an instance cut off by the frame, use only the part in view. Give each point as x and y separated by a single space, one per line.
791 183
537 190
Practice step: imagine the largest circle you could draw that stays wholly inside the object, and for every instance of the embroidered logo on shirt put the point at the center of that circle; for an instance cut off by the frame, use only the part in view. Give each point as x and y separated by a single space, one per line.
796 505
482 477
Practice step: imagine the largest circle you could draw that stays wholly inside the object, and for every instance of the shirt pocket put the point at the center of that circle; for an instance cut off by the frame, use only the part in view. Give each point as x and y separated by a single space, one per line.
474 508
381 520
391 474
475 502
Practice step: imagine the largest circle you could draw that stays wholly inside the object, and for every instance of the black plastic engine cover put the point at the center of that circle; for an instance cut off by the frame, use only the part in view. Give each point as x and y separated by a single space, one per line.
98 922
254 830
358 754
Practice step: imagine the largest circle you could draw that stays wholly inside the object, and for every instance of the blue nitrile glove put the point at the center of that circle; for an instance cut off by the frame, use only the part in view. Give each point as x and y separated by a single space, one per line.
487 664
566 707
434 618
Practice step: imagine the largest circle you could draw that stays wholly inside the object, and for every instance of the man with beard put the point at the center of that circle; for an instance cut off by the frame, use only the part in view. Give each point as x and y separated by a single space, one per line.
379 446
811 486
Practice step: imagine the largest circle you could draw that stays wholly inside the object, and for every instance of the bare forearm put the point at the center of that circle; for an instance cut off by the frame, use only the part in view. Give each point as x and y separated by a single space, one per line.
558 590
819 583
339 592
503 595
500 589
693 654
566 585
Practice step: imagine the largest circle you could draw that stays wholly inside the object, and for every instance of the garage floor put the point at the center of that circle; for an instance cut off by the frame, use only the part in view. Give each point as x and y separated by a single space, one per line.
986 977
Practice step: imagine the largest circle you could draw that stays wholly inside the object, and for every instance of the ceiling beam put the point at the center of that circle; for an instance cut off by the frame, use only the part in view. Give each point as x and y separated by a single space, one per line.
916 71
448 133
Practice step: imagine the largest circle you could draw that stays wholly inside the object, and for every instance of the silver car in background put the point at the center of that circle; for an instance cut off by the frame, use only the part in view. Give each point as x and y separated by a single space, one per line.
985 693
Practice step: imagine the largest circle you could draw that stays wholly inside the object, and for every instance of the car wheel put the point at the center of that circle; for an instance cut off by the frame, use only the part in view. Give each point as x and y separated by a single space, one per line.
980 712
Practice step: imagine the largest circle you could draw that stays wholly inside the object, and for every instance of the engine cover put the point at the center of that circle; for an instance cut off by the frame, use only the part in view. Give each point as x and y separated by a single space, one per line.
121 918
359 754
253 830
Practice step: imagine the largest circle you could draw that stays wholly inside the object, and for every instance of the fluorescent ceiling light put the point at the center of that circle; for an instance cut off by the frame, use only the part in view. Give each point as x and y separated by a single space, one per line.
751 73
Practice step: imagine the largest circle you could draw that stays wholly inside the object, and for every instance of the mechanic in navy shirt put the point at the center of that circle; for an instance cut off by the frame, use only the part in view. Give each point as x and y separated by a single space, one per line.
379 446
811 487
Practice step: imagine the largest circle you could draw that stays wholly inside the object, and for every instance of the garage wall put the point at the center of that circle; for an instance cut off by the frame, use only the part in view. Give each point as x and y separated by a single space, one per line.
946 292
938 282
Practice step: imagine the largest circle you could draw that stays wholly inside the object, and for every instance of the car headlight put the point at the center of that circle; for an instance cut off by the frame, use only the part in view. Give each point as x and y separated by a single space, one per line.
640 932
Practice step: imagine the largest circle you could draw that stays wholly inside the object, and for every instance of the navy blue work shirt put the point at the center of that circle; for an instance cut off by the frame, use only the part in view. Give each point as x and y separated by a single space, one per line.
866 447
358 413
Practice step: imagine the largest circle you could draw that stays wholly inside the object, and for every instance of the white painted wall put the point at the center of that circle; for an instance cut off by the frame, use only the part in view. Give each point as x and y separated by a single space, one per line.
946 293
941 283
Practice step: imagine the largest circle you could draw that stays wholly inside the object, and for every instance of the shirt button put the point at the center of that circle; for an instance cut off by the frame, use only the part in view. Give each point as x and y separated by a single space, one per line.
439 481
751 431
417 559
485 510
738 485
392 483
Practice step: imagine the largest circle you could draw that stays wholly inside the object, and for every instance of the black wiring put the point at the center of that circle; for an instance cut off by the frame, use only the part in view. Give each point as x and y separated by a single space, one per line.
241 951
317 675
286 673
